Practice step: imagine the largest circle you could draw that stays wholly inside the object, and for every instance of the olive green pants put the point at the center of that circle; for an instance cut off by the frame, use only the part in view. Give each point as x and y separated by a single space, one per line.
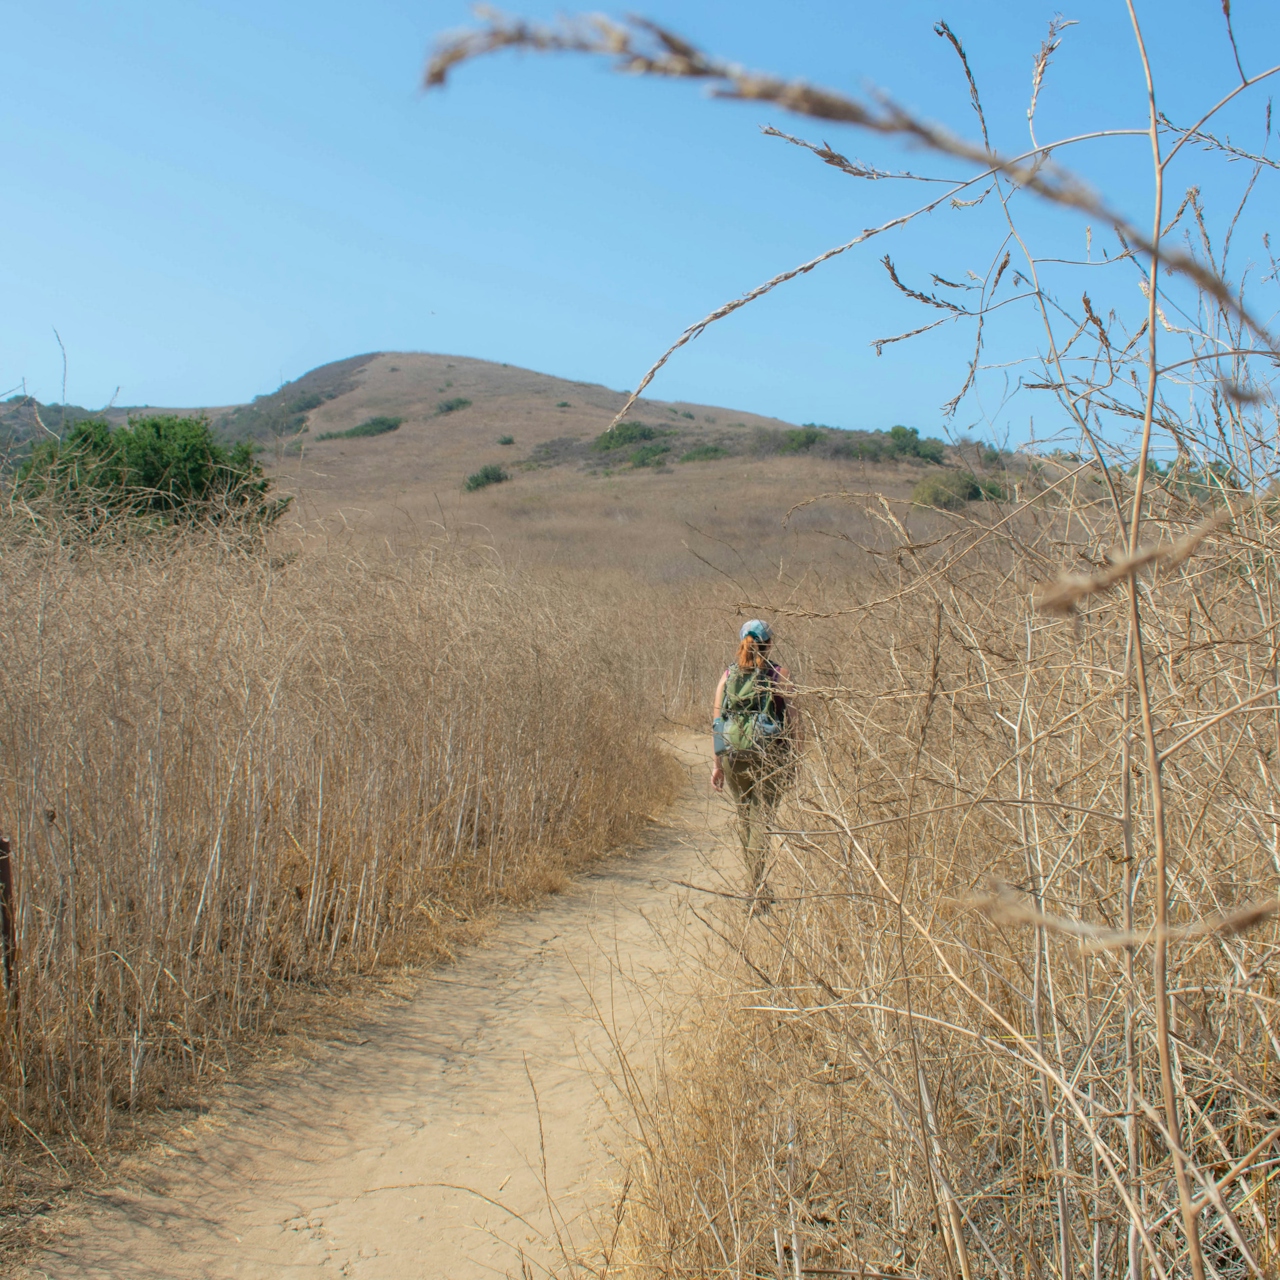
756 784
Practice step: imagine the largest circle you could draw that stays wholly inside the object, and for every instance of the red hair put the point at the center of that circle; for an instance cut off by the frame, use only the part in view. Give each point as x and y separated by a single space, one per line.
750 654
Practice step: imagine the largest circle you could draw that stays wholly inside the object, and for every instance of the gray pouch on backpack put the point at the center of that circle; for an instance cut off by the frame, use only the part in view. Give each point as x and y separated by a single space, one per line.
768 728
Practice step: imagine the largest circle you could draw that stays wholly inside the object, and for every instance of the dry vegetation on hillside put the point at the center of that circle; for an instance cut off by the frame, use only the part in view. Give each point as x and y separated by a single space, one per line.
1015 1013
570 503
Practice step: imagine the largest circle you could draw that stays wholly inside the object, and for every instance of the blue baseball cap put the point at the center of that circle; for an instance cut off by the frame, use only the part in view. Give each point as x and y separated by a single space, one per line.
757 628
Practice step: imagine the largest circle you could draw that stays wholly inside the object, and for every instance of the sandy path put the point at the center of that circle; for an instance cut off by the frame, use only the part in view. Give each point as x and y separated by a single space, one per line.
375 1161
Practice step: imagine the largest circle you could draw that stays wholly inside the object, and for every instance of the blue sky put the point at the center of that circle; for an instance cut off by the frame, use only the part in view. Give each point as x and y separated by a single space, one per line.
204 198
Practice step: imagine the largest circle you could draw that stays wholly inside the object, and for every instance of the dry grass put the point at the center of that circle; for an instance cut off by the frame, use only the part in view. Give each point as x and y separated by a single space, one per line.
386 484
940 1054
227 780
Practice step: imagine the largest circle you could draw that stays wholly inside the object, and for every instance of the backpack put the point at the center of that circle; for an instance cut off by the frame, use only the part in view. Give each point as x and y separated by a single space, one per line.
751 714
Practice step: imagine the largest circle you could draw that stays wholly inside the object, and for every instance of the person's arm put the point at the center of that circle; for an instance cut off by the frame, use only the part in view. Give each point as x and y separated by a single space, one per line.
717 770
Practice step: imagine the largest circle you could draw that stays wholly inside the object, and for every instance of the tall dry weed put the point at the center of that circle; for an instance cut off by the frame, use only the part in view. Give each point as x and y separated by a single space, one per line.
227 778
940 1051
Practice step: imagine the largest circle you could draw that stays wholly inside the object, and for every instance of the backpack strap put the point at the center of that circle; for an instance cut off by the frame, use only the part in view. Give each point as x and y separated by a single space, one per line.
724 691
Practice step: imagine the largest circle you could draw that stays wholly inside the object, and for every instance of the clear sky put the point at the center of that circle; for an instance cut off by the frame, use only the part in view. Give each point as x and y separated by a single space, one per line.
206 197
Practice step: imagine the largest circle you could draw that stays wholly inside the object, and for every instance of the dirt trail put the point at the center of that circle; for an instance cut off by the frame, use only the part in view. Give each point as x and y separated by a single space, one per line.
413 1152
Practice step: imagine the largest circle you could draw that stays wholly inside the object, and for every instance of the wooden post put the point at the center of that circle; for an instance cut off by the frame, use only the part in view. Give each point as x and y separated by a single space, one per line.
8 924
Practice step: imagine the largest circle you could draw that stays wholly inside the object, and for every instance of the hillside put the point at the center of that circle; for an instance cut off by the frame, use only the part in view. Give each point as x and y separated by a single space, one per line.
381 446
688 480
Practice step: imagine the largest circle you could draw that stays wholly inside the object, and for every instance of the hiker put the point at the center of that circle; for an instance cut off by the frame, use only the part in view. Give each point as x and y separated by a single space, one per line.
756 732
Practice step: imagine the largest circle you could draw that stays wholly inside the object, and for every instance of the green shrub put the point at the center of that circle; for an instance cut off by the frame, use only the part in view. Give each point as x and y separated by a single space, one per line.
952 489
649 454
705 453
506 439
684 413
793 440
164 467
452 406
801 439
946 492
625 433
562 404
378 426
370 427
883 446
869 448
907 443
491 474
305 403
